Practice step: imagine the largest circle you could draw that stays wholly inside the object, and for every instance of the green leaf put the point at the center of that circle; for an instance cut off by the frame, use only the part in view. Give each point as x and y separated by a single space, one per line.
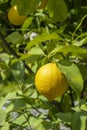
34 51
36 123
57 10
82 38
84 107
21 120
10 95
23 57
81 42
4 57
17 70
15 38
83 70
3 75
33 94
50 46
2 117
73 75
65 117
17 104
4 71
42 38
6 88
55 50
27 23
26 7
78 26
79 121
2 102
6 126
77 51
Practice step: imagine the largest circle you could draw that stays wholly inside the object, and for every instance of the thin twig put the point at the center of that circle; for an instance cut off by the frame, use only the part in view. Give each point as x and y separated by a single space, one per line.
7 46
27 118
71 96
11 50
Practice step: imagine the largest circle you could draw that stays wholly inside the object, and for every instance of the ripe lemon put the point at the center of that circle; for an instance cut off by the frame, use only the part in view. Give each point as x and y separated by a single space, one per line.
14 17
50 81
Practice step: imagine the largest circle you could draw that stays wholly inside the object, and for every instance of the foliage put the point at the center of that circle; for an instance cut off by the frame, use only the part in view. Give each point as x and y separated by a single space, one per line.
56 33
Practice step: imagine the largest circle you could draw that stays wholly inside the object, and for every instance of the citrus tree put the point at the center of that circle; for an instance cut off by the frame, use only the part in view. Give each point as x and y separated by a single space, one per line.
43 65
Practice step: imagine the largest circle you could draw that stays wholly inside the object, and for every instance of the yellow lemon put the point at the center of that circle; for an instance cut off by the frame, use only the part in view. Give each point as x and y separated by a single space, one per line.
50 81
14 17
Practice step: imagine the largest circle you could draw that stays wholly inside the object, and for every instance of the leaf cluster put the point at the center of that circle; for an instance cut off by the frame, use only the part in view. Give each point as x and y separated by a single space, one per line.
55 33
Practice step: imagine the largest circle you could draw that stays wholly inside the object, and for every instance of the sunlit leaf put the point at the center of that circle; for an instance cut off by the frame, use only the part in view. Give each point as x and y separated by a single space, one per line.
5 57
27 23
2 102
33 95
42 38
84 107
4 70
5 89
16 104
6 126
80 42
2 116
80 117
36 51
37 124
77 51
21 120
10 95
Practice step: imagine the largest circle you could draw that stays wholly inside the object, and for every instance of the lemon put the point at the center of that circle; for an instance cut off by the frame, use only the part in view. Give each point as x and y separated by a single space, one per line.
14 17
50 81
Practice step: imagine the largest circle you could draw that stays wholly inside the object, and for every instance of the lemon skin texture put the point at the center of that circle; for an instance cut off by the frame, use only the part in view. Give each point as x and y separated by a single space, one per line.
14 17
50 81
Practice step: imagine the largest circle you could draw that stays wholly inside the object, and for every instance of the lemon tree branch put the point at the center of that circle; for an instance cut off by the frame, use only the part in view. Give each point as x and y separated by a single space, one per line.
9 49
